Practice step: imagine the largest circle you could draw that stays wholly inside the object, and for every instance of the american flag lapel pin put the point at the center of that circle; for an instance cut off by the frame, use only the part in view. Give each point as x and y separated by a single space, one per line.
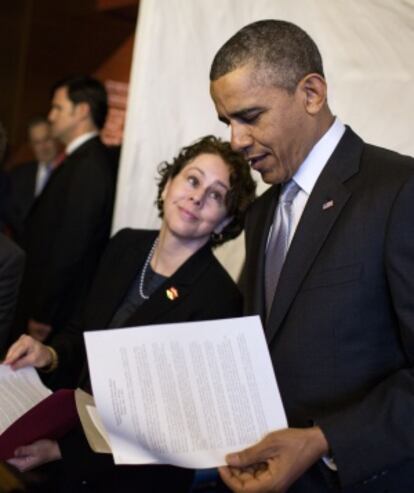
172 293
327 205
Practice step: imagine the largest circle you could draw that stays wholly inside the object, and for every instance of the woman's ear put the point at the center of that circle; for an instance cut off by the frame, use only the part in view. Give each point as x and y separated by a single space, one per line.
165 189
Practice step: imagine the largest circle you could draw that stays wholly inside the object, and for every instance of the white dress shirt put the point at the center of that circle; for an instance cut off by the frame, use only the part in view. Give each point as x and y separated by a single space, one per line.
42 175
309 171
79 141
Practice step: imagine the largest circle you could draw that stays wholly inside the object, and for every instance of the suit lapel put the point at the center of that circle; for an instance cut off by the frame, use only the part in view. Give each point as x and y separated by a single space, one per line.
41 197
316 222
63 170
120 278
179 285
30 183
260 223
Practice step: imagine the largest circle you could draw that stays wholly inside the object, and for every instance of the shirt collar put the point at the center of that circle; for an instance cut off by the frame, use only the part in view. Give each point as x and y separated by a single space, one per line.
312 166
79 141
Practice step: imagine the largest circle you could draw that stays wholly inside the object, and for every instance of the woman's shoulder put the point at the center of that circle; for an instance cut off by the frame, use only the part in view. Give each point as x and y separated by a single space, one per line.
220 296
128 238
130 235
220 278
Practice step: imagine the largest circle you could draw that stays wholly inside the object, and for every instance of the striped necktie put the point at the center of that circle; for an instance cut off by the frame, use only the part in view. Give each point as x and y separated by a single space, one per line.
279 240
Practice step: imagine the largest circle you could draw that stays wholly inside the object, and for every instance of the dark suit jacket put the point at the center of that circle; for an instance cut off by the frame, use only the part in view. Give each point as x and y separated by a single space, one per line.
205 291
66 231
11 271
341 328
22 195
4 198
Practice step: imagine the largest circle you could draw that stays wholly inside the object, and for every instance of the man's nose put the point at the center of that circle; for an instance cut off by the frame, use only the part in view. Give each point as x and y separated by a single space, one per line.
241 138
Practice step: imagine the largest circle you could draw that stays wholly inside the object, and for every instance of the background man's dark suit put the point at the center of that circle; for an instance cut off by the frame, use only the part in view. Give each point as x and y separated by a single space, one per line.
341 328
11 271
205 291
4 197
22 196
66 231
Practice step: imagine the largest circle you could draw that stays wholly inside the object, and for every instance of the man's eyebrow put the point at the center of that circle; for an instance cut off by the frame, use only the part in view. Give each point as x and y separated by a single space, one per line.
247 112
242 114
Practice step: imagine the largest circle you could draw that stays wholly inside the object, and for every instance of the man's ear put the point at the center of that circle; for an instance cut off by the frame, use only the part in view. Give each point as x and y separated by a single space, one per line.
314 91
83 110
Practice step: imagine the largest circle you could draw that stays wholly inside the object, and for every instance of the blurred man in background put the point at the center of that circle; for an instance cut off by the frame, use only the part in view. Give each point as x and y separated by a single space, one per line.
69 224
28 180
11 270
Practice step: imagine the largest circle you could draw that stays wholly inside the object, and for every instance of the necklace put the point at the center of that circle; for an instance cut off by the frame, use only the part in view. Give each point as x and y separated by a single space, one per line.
144 270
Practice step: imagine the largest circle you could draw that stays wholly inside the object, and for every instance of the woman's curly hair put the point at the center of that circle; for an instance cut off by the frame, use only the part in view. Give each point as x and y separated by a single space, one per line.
242 186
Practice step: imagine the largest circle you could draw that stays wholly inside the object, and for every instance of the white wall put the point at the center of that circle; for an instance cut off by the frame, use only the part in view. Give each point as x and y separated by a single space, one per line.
367 50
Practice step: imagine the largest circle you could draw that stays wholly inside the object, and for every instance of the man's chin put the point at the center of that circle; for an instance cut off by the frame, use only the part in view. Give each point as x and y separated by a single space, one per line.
270 177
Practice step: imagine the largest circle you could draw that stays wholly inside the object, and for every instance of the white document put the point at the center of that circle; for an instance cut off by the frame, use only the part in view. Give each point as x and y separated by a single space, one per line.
184 394
20 390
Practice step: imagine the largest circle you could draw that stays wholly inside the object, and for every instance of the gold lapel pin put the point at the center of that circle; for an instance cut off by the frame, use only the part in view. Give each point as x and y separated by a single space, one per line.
172 293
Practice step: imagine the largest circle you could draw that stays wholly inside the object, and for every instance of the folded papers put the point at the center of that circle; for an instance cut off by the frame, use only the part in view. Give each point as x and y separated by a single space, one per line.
50 417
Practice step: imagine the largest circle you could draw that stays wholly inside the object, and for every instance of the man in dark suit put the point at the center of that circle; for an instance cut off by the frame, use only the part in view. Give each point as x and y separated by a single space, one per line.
11 271
205 292
68 226
27 180
4 179
330 270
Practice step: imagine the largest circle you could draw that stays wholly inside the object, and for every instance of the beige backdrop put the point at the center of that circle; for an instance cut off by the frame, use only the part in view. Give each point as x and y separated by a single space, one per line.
367 51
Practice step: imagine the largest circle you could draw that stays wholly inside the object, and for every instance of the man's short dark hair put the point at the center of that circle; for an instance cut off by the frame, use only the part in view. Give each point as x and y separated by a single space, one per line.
86 89
37 120
283 52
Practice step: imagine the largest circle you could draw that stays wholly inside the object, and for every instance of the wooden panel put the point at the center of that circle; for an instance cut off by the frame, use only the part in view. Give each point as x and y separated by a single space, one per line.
43 41
13 43
115 4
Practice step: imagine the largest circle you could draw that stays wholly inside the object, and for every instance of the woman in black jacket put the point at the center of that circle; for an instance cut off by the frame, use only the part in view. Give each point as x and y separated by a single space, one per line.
203 195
